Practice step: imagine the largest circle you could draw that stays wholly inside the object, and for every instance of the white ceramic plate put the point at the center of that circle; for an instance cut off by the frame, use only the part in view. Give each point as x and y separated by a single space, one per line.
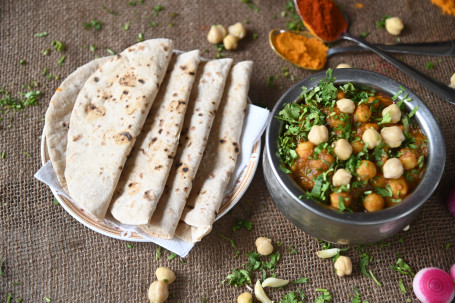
108 229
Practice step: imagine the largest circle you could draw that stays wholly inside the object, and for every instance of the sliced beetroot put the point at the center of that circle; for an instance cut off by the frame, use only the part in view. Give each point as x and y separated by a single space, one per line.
451 202
433 285
452 272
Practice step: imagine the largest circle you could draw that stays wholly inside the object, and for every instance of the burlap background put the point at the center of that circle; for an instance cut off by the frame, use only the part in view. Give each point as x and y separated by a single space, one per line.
52 255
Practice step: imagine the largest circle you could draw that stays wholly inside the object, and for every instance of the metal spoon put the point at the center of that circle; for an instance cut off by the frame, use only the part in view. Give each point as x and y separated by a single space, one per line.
446 48
438 88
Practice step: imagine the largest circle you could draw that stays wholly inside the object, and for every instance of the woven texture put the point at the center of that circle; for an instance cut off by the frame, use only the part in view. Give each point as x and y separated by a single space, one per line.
52 255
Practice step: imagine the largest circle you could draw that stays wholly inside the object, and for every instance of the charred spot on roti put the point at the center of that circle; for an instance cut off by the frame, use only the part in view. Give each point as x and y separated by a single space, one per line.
149 195
160 131
154 139
96 79
222 141
191 73
122 138
95 111
125 92
161 123
178 164
234 143
128 79
237 150
170 156
158 167
75 138
185 189
120 167
141 175
182 67
141 81
174 95
185 169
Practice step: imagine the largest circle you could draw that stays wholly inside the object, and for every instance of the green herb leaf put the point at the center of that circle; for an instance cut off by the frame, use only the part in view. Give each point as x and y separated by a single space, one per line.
158 253
414 110
46 52
47 299
402 288
110 11
429 65
381 23
1 266
140 37
56 201
242 223
157 9
402 267
126 26
239 277
92 47
171 256
39 35
93 24
153 24
130 245
61 60
22 62
300 280
58 45
326 296
226 238
251 5
110 51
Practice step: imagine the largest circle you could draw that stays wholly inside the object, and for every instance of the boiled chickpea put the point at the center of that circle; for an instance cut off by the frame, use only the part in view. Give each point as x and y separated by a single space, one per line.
399 187
393 169
341 177
452 82
165 274
392 136
318 134
305 149
372 138
379 180
246 297
394 112
366 170
238 30
373 202
336 198
158 292
408 158
394 25
230 42
346 105
216 34
342 149
362 113
264 246
343 65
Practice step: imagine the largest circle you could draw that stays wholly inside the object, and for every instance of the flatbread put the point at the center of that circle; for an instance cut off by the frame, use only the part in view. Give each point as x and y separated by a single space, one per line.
204 101
219 157
147 168
58 115
108 115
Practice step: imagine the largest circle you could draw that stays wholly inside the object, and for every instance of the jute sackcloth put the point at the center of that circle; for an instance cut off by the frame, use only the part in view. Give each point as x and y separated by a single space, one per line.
52 255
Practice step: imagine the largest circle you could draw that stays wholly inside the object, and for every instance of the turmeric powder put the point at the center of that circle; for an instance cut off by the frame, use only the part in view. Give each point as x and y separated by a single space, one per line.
305 52
447 6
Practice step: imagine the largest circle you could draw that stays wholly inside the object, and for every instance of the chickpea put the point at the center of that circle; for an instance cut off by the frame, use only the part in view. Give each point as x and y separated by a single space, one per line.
452 82
336 198
394 112
342 149
373 202
392 136
165 274
238 30
399 187
393 169
246 297
230 42
346 105
372 138
366 170
394 26
341 177
364 126
158 292
305 149
318 134
341 94
379 180
357 146
216 34
408 158
264 246
343 266
362 113
343 65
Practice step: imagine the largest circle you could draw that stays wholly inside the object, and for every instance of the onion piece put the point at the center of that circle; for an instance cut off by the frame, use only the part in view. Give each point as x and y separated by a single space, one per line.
433 285
452 272
328 253
451 202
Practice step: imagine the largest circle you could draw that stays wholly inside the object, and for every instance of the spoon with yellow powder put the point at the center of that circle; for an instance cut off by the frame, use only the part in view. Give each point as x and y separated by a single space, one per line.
305 50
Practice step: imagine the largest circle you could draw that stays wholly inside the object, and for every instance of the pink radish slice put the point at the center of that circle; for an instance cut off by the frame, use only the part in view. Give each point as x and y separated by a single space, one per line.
452 272
451 202
433 285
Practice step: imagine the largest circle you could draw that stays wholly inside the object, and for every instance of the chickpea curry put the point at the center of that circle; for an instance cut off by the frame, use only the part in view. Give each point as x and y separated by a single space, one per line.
352 148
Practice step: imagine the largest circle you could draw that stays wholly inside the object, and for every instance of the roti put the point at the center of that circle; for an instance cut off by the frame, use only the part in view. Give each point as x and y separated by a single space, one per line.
219 158
107 118
146 171
59 112
204 101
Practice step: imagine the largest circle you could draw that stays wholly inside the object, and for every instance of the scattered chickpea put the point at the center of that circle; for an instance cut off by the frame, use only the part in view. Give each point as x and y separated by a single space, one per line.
230 42
372 138
246 297
393 136
452 81
238 30
216 34
408 158
343 65
393 168
318 134
394 112
394 26
264 246
158 292
399 187
342 149
165 274
346 105
343 265
341 177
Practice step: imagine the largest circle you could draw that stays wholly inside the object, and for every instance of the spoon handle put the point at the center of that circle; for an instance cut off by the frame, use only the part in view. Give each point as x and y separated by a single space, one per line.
445 48
438 88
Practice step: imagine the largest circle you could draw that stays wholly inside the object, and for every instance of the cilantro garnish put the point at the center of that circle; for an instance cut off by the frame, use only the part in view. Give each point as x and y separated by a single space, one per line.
95 24
110 11
401 284
58 45
300 280
110 51
251 5
130 245
326 296
61 60
126 26
39 35
140 37
295 22
226 238
381 23
157 9
1 266
291 297
248 225
171 256
429 65
158 253
402 267
56 201
239 277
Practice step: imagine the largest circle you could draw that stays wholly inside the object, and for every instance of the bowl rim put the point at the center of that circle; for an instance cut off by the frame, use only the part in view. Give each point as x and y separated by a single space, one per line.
427 122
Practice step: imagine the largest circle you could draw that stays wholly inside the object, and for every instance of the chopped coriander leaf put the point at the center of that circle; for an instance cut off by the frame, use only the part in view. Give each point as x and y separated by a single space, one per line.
402 288
381 23
171 256
157 9
140 37
8 299
1 266
271 81
47 299
239 277
414 110
251 5
173 14
58 45
226 238
61 60
219 49
242 223
46 52
95 24
158 253
56 201
126 26
429 65
22 62
110 11
255 36
27 154
402 267
295 22
300 280
326 296
237 253
291 297
132 3
39 35
171 24
374 278
130 245
110 51
364 34
3 154
182 261
44 72
92 47
153 24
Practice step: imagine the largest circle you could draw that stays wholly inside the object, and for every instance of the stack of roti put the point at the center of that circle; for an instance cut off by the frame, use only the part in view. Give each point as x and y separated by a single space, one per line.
126 135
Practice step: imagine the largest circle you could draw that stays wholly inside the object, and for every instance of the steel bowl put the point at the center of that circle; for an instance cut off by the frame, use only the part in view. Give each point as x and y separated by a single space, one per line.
352 228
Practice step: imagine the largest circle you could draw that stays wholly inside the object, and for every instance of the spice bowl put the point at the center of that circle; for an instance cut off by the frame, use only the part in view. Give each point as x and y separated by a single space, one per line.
352 227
